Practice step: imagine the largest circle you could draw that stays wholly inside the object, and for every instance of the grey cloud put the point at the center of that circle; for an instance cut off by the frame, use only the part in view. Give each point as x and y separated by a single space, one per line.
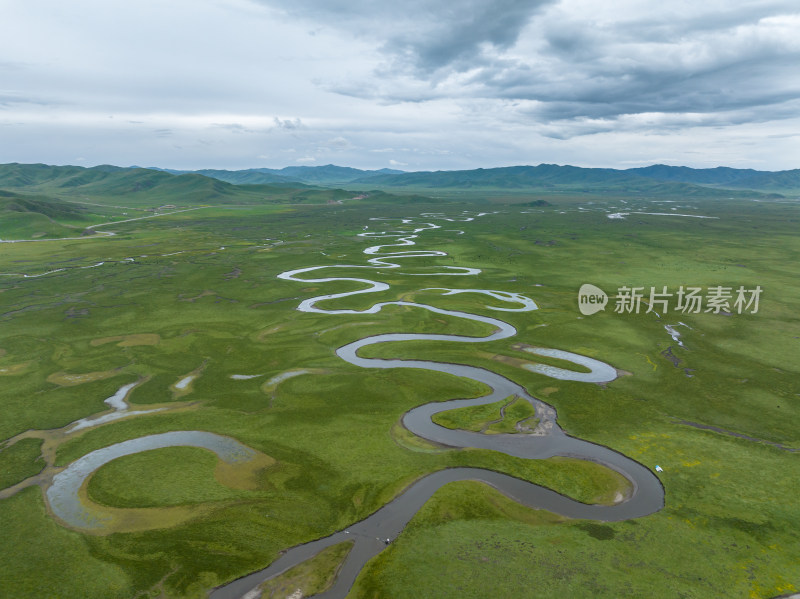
458 37
10 98
664 123
707 19
432 83
233 127
424 35
338 143
725 70
288 123
710 59
601 92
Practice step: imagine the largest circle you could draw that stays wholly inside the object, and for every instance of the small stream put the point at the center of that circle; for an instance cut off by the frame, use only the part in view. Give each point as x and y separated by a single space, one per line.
62 494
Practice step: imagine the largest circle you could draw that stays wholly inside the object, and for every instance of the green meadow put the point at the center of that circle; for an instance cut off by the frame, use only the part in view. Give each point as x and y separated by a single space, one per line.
501 417
195 294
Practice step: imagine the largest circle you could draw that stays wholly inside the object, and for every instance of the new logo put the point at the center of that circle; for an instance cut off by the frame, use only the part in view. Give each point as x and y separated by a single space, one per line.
591 299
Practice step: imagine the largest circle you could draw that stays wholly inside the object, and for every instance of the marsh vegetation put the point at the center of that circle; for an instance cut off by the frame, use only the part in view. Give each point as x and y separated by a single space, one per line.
196 293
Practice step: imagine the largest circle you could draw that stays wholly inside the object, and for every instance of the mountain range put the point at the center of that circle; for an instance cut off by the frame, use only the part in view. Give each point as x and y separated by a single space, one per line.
329 174
645 180
38 200
543 176
322 183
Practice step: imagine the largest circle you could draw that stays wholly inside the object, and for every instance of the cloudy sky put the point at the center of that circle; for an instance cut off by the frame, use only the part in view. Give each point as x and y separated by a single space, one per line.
414 85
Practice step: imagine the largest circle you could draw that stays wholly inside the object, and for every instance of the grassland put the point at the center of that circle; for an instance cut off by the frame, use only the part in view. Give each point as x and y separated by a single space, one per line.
201 288
500 417
311 577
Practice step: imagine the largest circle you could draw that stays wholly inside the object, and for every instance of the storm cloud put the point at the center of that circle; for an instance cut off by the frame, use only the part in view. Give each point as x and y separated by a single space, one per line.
424 36
577 61
425 83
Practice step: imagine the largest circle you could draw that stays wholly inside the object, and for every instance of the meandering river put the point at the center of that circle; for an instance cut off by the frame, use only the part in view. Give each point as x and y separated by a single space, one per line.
371 535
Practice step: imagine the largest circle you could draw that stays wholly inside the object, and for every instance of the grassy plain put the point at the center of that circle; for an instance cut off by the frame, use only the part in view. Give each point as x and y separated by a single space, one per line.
500 417
201 288
311 577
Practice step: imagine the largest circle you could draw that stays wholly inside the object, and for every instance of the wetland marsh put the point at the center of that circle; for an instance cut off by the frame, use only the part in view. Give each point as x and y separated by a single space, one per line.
333 376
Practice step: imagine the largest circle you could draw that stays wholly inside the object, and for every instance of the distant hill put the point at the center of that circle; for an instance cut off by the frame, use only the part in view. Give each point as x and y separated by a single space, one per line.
249 177
720 175
552 177
724 177
510 177
777 181
133 185
15 202
252 176
145 187
330 173
34 217
310 175
30 175
142 187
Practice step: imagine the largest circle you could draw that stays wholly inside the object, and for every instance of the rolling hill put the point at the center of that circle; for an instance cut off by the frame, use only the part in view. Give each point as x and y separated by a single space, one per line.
555 178
724 177
132 186
106 181
291 175
720 175
36 217
139 188
780 181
